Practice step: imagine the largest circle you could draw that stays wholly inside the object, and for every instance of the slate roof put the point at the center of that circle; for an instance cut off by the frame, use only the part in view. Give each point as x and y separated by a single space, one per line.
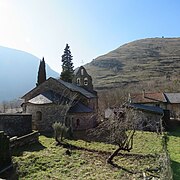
40 99
50 97
47 97
80 108
148 98
173 98
76 70
70 86
152 109
79 89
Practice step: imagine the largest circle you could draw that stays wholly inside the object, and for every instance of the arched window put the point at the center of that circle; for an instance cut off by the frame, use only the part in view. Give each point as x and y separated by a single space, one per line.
78 81
77 122
85 81
39 115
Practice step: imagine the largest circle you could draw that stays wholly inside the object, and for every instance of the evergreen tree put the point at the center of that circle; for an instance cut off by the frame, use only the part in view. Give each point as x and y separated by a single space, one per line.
41 72
67 65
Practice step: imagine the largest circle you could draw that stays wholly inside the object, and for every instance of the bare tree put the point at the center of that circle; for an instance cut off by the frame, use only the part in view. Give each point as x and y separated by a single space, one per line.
65 102
119 130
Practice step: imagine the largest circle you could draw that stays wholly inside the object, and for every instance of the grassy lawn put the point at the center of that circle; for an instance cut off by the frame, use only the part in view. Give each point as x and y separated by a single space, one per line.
174 151
47 161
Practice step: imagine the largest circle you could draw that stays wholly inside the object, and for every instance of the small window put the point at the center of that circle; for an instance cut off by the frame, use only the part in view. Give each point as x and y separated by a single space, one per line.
77 122
85 81
39 115
78 81
82 71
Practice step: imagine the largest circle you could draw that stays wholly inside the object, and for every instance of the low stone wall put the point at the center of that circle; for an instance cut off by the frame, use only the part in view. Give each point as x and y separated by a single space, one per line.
7 144
30 138
5 156
16 124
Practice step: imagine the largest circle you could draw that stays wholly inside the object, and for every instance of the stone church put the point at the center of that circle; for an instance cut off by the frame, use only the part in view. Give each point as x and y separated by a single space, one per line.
51 100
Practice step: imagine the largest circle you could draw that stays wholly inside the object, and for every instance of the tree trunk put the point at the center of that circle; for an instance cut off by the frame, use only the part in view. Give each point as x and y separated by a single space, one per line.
57 140
62 133
115 153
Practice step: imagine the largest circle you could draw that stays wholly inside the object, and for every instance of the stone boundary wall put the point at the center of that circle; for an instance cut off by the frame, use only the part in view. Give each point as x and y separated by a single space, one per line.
16 124
30 138
5 156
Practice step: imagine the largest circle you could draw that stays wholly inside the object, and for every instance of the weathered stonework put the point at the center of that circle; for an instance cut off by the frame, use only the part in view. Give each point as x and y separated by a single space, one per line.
16 124
50 84
5 157
49 114
45 103
31 138
81 121
83 79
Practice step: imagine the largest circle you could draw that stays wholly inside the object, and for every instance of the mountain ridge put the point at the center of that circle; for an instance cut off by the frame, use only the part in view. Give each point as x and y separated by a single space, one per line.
138 62
18 72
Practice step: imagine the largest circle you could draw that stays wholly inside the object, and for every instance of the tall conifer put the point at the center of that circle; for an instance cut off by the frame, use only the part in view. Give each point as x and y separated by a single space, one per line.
67 65
41 72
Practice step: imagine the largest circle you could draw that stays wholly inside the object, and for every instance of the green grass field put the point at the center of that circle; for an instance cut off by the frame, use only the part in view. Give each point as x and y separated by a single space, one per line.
174 151
48 161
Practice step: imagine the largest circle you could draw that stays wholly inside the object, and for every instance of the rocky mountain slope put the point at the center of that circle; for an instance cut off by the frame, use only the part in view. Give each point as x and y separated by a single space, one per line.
18 73
146 61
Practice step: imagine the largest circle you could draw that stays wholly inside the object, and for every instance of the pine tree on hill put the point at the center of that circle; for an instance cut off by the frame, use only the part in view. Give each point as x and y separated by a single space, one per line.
67 65
41 72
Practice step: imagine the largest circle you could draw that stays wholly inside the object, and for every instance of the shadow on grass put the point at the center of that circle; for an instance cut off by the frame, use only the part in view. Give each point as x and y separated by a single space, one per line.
47 134
122 168
175 130
175 133
176 170
18 151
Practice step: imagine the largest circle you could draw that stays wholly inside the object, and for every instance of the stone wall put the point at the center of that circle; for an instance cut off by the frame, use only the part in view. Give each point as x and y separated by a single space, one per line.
83 121
5 157
50 84
49 113
16 124
174 109
31 138
52 113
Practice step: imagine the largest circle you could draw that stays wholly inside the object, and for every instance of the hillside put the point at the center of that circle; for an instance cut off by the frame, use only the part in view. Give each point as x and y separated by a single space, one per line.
18 73
142 63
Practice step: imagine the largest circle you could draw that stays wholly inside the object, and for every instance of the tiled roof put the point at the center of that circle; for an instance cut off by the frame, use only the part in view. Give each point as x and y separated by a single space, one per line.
147 98
152 109
173 97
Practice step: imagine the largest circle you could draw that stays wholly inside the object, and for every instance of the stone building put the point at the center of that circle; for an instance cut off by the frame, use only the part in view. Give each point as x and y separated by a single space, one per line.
149 99
173 104
74 103
166 101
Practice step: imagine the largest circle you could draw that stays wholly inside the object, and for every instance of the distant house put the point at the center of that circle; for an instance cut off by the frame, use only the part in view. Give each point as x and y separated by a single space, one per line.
151 116
167 101
154 107
173 104
150 99
47 102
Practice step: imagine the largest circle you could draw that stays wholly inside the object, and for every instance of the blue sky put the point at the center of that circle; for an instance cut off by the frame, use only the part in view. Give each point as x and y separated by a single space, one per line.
90 27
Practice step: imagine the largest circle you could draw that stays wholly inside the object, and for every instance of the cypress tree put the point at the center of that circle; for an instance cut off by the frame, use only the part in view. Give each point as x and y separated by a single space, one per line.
67 65
41 72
